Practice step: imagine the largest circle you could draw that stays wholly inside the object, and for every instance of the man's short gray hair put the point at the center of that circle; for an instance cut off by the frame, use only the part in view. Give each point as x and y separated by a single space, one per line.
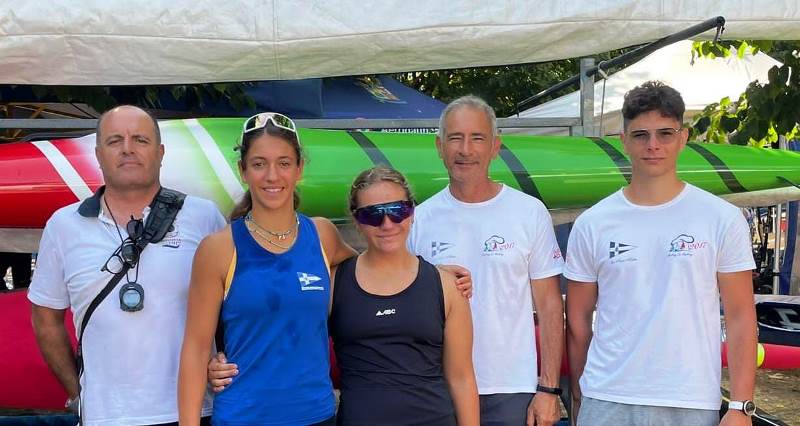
471 101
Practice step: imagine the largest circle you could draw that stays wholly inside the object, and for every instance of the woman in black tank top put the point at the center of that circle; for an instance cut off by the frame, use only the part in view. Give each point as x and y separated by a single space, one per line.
401 330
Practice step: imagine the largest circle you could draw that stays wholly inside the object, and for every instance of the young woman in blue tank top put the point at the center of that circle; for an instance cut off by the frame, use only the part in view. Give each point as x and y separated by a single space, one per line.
266 278
402 333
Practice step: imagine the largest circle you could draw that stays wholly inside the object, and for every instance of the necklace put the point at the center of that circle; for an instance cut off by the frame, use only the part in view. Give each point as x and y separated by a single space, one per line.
279 235
265 234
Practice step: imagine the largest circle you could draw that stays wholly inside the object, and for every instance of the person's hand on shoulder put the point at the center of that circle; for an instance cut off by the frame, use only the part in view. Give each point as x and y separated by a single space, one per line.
463 278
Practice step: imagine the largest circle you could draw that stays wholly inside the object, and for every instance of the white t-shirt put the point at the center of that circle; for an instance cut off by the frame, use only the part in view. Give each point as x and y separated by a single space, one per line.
505 242
131 358
657 326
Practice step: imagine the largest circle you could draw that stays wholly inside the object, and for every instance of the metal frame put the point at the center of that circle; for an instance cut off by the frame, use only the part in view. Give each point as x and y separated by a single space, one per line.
89 124
372 123
632 56
777 257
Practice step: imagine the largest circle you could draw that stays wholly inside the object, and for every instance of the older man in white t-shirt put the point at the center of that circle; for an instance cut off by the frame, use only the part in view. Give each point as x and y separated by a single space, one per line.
654 258
130 350
505 238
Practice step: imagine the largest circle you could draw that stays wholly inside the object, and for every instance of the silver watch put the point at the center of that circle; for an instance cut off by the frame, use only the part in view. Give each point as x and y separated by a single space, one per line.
747 407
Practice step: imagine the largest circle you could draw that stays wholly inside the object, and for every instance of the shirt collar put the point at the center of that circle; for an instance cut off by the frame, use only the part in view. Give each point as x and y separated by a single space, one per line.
90 207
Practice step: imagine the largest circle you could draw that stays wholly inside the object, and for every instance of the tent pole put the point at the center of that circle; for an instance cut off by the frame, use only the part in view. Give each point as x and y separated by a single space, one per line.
776 257
587 97
794 275
632 56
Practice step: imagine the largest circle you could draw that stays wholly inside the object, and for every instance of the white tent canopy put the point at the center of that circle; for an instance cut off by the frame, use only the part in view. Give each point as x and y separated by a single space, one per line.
701 82
115 42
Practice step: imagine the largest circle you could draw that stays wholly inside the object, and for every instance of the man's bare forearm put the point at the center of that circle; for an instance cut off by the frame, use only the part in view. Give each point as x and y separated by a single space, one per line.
736 293
742 342
54 343
581 301
550 313
579 335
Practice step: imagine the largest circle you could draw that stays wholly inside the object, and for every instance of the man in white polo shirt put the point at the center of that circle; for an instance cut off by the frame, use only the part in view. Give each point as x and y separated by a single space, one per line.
505 238
130 350
654 258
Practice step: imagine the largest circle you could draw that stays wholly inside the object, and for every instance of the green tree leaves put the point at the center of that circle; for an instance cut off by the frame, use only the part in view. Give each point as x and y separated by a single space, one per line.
501 86
766 110
194 96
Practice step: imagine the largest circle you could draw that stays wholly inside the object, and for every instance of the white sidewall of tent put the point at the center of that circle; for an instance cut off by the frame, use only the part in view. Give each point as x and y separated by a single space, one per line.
97 42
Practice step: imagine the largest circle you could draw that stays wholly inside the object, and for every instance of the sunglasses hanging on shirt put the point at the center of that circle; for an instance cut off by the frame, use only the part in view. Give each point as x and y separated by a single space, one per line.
131 294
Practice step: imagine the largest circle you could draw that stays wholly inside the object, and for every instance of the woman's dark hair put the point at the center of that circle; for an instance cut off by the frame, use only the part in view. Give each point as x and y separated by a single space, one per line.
652 96
246 203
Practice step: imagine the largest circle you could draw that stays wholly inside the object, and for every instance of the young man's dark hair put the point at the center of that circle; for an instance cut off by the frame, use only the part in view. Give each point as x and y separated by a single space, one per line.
652 96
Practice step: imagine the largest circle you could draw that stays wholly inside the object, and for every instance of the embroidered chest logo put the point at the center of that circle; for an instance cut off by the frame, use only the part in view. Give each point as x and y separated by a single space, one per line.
685 245
438 247
385 312
617 249
172 238
496 245
307 281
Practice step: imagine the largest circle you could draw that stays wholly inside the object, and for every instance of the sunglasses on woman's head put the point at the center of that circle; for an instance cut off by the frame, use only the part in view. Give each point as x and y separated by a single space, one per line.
259 121
397 211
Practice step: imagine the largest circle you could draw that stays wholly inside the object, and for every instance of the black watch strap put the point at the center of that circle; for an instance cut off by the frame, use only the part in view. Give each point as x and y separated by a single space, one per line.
545 389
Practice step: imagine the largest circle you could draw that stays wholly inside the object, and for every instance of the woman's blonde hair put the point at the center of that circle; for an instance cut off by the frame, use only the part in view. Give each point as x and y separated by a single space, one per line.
375 175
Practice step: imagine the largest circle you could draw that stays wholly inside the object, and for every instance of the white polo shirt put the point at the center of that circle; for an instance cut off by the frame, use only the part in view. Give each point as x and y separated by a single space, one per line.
505 242
131 358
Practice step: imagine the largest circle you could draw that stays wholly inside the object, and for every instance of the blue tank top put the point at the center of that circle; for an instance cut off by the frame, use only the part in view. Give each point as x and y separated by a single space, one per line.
275 329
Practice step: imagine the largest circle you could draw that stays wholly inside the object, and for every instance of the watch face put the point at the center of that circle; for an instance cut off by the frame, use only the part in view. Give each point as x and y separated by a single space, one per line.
131 298
749 408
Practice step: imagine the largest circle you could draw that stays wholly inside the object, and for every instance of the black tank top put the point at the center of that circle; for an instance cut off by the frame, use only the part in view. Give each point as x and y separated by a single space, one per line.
390 351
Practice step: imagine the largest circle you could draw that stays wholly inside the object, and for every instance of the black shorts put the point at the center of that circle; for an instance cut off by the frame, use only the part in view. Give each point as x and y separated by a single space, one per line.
505 409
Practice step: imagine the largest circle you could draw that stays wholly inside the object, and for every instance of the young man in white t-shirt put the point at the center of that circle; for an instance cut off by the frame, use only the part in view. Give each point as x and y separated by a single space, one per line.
654 259
130 350
506 239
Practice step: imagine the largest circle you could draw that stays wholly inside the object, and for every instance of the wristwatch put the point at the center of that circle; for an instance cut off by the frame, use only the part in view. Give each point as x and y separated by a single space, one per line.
747 407
545 389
